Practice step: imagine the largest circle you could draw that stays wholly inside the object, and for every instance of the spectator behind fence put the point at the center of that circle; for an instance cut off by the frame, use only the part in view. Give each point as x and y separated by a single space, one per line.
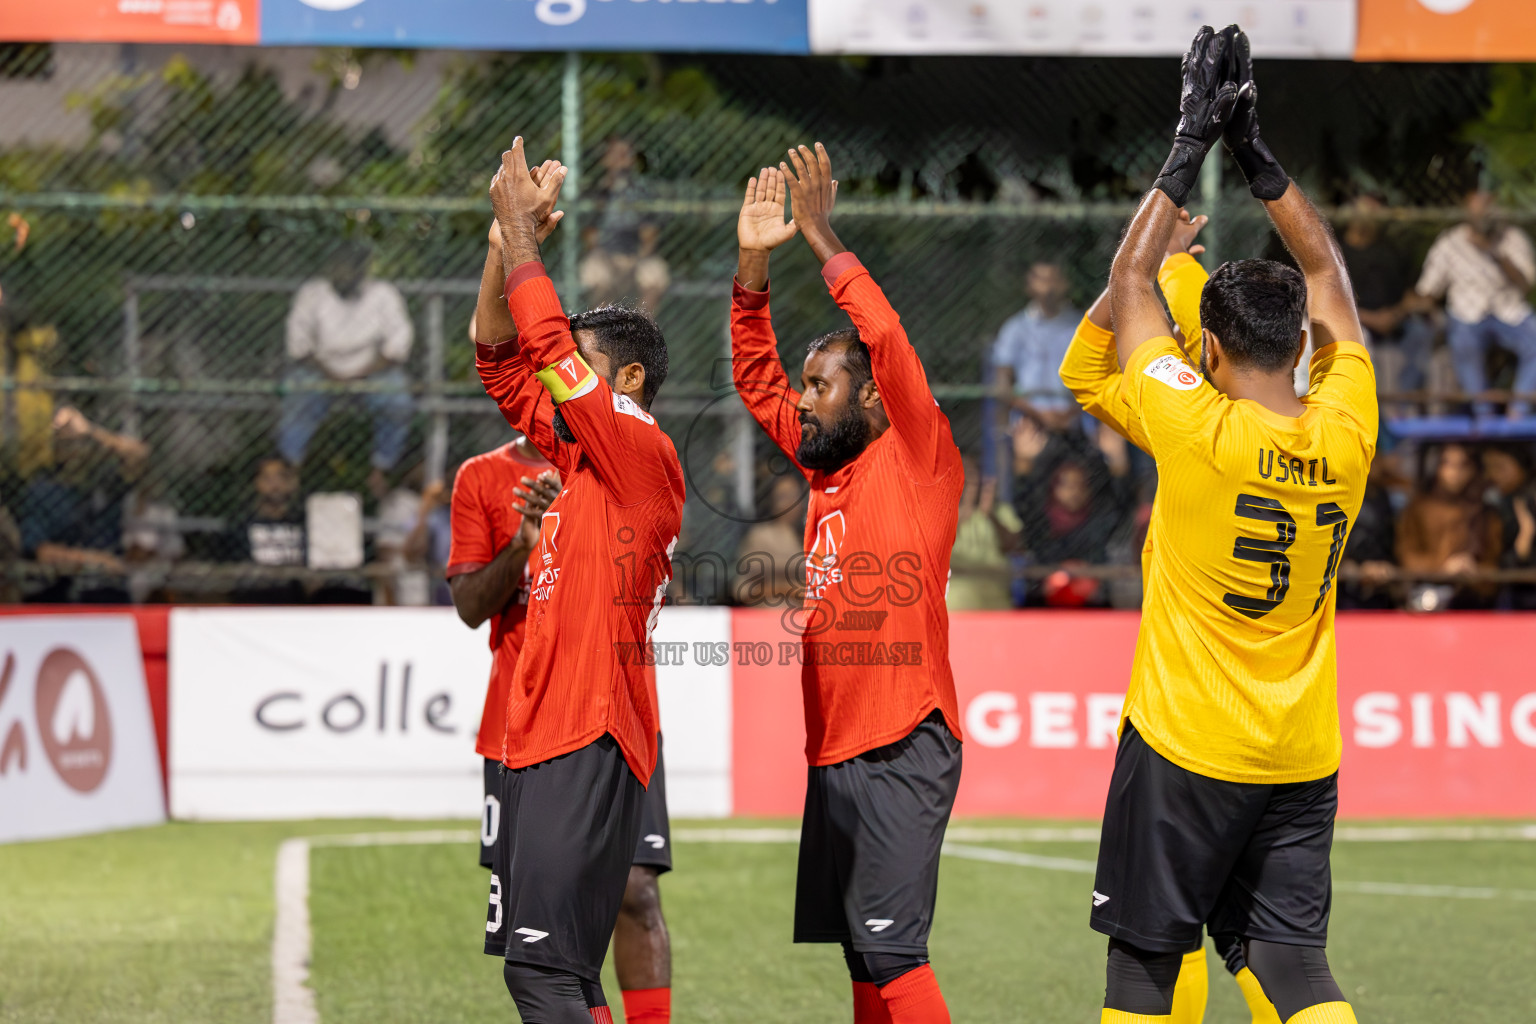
271 534
1070 505
987 535
623 261
345 327
770 566
1402 339
430 538
71 515
26 413
1447 528
1372 546
1029 349
1483 269
1513 497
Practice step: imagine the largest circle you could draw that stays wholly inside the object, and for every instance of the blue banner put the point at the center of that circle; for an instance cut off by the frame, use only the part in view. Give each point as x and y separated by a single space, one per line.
745 26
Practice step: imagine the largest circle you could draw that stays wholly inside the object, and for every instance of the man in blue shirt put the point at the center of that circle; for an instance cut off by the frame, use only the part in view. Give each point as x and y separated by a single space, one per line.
1030 347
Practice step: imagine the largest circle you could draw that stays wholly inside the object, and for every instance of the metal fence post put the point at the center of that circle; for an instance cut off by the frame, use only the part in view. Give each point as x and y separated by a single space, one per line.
437 435
1210 198
570 155
132 360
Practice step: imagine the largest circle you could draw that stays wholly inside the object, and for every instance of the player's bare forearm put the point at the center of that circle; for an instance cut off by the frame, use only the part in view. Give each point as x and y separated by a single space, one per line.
485 592
822 239
493 323
752 269
1099 312
1330 296
1136 313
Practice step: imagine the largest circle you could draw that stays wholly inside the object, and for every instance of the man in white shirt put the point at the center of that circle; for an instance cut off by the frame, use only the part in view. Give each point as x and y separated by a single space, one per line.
343 327
1483 269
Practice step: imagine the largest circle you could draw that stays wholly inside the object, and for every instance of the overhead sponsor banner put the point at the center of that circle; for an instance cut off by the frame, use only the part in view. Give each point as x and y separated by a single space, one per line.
77 745
1447 30
372 712
1277 28
1438 714
748 26
130 21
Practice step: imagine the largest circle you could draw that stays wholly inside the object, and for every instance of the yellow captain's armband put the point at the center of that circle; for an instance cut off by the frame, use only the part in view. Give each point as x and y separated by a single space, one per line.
569 378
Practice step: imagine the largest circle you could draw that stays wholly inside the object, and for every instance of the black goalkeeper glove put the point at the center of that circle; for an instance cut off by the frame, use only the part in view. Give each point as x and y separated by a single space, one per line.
1266 178
1205 105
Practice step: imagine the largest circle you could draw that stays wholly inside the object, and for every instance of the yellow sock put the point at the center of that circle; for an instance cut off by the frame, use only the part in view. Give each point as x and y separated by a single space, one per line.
1322 1013
1121 1017
1192 989
1258 1003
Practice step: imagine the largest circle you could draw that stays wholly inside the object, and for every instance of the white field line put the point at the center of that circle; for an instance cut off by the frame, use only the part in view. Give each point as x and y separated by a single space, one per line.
293 1001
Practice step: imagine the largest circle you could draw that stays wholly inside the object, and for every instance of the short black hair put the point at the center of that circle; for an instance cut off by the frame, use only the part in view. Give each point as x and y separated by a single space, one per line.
855 354
1258 308
628 334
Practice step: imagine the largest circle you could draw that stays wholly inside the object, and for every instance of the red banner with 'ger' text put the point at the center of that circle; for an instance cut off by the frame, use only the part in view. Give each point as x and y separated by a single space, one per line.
1438 713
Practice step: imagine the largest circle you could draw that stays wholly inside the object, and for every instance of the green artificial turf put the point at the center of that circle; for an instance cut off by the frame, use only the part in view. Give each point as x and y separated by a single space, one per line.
175 924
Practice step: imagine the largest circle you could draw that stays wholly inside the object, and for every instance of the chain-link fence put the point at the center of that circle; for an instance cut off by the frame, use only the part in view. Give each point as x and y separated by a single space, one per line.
165 208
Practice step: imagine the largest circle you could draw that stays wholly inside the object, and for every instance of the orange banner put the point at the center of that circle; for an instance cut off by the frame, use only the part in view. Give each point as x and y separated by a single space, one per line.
131 21
1447 30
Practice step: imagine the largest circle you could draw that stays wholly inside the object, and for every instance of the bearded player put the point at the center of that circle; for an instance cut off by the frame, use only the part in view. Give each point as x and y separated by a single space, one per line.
1225 788
1091 370
499 498
582 731
882 729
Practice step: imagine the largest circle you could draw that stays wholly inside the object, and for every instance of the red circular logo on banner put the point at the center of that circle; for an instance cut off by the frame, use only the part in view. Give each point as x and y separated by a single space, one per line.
73 720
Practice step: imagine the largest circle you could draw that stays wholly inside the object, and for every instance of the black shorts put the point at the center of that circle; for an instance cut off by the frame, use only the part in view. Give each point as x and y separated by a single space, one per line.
569 828
1180 850
654 849
869 844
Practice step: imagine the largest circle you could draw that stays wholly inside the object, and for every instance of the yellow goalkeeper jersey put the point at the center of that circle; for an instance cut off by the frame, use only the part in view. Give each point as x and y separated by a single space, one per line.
1234 675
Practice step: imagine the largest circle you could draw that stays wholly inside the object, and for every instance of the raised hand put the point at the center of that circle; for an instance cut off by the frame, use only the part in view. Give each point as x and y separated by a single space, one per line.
1206 99
812 192
533 496
523 204
761 227
1266 179
1184 232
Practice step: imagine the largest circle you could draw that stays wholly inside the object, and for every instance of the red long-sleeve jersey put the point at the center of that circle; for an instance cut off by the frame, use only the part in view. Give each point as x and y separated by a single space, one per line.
482 523
875 646
603 560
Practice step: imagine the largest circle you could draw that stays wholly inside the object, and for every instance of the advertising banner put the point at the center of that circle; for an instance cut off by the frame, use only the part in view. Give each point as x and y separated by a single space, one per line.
1277 28
77 746
372 712
1438 714
130 21
746 26
1447 30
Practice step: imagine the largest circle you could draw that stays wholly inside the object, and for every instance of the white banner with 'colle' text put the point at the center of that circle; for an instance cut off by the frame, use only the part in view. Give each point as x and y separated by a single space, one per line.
77 744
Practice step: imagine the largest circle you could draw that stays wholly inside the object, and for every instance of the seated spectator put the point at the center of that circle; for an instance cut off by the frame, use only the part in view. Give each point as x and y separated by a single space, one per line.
770 566
1371 550
988 533
623 261
1447 528
428 542
1401 339
28 345
71 516
1483 269
273 535
346 327
398 513
1513 497
1029 349
1070 506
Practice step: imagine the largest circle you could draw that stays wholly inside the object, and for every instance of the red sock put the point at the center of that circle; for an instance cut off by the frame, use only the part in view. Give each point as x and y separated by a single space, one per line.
647 1005
914 998
868 1007
600 1014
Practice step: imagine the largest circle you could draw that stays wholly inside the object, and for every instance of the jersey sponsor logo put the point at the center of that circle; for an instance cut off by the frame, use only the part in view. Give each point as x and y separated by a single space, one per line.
531 934
626 405
1174 372
1099 899
656 841
878 924
549 535
821 561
